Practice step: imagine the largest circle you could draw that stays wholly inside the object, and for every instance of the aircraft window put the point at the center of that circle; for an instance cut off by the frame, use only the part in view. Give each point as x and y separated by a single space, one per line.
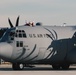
12 34
21 44
12 38
15 34
17 44
19 31
20 35
16 30
23 31
24 35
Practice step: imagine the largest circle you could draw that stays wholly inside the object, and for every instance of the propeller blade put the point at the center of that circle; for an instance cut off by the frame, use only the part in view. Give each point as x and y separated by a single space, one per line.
17 21
10 23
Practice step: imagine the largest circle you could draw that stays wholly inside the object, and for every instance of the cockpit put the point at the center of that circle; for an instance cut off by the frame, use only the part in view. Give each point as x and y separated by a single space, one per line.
17 34
20 34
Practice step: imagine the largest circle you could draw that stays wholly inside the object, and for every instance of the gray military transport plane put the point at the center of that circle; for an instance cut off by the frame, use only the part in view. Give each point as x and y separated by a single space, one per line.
54 45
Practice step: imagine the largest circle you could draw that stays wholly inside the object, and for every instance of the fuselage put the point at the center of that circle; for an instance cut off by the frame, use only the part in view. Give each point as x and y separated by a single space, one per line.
41 44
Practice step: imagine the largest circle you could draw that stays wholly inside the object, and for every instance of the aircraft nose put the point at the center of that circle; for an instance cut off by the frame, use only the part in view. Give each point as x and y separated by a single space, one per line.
5 51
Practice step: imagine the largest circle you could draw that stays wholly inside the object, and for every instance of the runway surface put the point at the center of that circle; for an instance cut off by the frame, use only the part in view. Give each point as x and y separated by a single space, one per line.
38 70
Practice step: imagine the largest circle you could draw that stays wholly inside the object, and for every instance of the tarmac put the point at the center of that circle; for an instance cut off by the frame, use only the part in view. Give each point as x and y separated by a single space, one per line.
6 69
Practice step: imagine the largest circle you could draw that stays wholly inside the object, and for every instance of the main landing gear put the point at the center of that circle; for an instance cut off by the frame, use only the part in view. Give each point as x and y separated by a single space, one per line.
17 66
63 66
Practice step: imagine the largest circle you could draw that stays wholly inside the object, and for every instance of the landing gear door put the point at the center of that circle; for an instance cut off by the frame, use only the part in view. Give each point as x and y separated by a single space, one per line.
41 53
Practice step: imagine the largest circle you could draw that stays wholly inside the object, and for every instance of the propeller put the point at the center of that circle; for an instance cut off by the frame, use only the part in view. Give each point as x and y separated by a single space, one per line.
17 22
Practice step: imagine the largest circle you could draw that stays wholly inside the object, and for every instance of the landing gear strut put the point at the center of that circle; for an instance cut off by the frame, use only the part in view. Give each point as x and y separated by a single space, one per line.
56 67
63 66
17 66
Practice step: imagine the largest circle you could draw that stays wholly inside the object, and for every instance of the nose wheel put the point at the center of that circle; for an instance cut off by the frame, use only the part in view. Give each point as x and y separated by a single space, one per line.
17 66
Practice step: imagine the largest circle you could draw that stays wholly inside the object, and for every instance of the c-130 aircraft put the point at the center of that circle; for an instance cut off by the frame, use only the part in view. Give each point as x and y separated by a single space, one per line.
25 45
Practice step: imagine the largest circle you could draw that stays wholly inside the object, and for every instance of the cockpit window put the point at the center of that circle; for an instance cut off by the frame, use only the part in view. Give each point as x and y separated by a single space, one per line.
24 35
20 34
20 31
12 34
23 31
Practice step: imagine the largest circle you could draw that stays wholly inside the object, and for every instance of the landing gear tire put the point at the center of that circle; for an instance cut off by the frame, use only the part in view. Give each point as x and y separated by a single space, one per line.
56 67
65 66
17 66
